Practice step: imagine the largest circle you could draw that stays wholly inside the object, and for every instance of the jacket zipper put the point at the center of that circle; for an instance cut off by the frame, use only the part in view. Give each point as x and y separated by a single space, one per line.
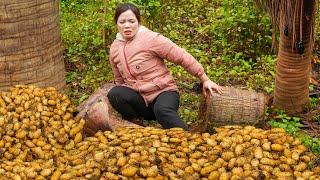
126 62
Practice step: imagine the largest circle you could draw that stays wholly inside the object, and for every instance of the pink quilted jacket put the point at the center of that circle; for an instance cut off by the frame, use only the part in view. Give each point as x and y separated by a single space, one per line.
139 63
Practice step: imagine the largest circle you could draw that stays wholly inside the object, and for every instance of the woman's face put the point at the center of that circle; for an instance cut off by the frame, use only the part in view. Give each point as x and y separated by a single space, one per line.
128 24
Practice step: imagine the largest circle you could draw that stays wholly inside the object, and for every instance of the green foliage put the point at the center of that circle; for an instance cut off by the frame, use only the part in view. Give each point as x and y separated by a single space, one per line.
150 9
314 101
189 102
262 77
81 30
229 38
85 54
71 75
292 126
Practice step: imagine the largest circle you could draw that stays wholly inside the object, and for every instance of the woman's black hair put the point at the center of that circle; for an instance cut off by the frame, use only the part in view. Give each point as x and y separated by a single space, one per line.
124 7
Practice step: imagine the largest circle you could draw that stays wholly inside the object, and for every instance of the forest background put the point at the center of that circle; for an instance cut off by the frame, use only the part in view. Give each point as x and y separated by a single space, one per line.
231 39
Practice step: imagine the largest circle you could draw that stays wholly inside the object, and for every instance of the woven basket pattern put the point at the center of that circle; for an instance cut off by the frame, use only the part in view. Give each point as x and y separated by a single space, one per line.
235 107
30 44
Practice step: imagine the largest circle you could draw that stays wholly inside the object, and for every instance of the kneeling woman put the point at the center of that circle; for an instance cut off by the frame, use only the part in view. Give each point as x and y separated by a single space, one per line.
144 87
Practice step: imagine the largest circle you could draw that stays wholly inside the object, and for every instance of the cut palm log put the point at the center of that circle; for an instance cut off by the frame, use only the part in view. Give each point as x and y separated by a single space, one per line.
234 107
99 114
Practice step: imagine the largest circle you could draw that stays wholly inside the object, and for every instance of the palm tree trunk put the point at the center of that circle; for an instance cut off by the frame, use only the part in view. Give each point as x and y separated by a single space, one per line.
293 67
30 44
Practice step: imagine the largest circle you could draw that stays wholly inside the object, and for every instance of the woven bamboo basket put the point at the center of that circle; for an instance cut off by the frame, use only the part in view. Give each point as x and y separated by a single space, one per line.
233 107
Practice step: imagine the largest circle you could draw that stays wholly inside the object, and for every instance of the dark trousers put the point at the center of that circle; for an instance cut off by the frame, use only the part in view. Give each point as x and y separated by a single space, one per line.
130 104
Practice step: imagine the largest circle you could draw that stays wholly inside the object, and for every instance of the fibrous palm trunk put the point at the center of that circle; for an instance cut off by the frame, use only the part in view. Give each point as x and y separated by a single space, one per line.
296 27
30 44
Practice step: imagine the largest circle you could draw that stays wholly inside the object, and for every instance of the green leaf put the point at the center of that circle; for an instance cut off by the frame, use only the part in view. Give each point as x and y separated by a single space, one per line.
83 97
296 119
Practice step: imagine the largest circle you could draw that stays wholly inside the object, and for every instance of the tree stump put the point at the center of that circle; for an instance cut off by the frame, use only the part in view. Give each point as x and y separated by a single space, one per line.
99 114
233 107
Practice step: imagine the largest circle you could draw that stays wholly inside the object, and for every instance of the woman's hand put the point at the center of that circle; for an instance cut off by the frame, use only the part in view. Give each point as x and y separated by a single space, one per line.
210 86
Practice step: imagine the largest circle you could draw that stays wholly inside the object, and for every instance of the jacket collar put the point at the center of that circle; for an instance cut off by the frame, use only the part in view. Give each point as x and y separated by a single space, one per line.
120 37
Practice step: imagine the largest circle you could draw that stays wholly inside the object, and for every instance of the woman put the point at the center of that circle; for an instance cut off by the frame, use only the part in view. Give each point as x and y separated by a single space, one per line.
144 87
